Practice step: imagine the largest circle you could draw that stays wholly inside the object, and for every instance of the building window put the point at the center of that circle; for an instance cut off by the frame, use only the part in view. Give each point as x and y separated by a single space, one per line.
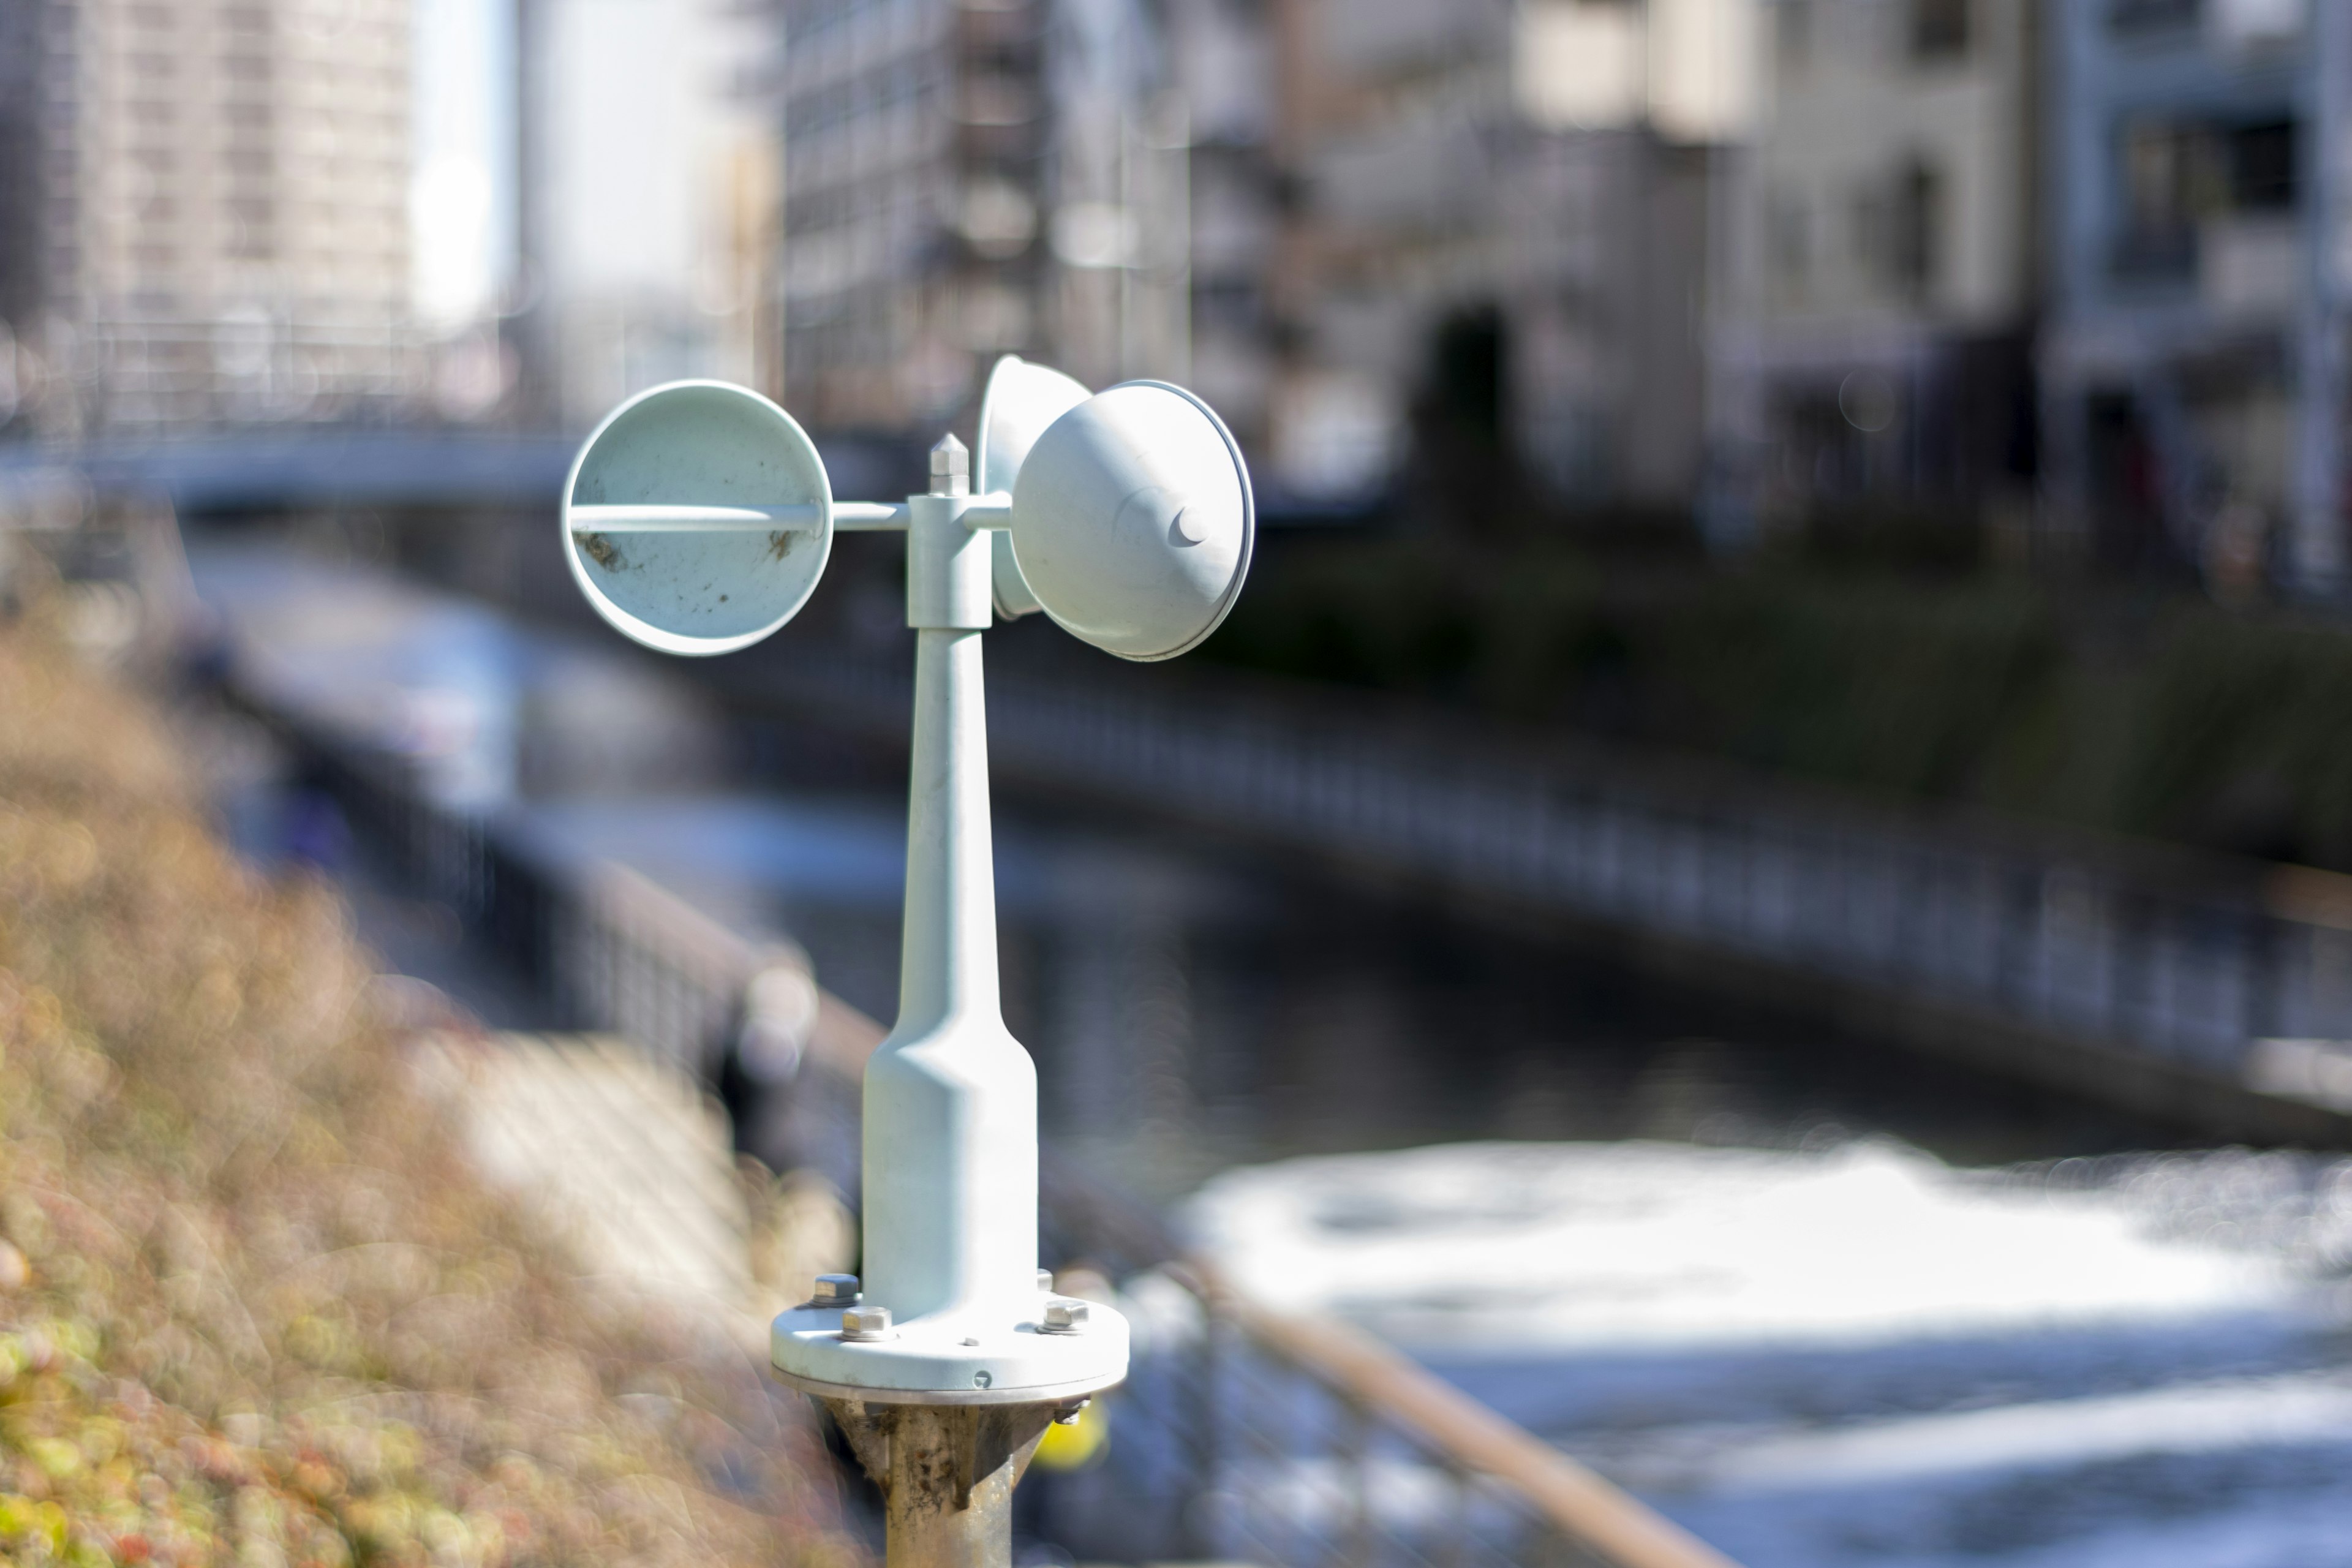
2263 166
2178 175
2169 181
1789 241
1898 230
1939 31
1867 229
1916 226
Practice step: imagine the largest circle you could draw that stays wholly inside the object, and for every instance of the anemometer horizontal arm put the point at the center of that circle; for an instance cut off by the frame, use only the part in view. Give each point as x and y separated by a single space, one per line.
848 517
647 518
868 516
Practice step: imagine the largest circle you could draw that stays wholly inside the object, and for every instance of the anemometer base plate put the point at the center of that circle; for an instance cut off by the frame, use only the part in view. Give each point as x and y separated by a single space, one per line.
972 1356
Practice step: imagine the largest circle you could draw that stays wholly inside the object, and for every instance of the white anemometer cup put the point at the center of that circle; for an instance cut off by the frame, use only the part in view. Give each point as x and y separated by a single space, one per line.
697 520
1021 401
1132 521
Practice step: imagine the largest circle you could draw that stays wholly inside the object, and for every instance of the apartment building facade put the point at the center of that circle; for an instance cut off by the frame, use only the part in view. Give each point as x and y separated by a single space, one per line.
1506 206
2193 372
965 180
208 213
1877 275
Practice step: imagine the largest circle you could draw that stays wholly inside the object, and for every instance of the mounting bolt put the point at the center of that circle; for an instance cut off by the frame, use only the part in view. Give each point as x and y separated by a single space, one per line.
866 1324
1063 1317
835 1290
950 468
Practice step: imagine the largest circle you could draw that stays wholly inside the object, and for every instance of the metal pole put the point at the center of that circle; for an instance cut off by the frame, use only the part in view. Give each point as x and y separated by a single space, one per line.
947 1474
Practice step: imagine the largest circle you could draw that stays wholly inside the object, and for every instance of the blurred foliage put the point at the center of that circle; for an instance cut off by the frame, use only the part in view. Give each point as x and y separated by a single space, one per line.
2127 708
253 1307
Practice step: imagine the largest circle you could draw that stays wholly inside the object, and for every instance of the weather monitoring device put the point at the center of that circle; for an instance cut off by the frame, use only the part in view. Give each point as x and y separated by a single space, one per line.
697 520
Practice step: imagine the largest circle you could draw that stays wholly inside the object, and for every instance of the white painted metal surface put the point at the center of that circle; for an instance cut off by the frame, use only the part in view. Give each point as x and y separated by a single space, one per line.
720 517
697 521
1021 401
1133 521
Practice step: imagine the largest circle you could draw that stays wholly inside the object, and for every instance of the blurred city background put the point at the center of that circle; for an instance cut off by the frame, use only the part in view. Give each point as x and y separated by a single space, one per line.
1760 880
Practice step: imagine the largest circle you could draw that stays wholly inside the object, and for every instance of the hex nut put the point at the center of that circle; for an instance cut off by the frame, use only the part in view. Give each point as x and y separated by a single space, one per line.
866 1324
1046 1280
835 1290
950 468
1064 1316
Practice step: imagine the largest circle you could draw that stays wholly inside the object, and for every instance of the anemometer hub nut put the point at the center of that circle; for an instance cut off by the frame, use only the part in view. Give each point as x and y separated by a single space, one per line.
864 1325
834 1290
950 468
1065 1316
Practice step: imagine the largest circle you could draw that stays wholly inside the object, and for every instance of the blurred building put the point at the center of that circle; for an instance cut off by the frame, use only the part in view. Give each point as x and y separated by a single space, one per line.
20 203
650 190
1501 213
464 229
2193 367
1305 208
916 133
204 211
1871 336
1227 61
967 179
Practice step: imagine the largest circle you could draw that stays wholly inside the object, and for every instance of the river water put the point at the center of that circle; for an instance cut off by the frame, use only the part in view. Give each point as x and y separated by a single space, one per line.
1827 1302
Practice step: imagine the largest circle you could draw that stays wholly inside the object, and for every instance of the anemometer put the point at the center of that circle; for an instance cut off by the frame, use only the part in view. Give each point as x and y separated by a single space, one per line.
697 519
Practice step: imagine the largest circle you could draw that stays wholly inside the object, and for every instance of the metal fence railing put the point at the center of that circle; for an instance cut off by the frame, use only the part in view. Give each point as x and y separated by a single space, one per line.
2170 959
1246 1434
1249 1434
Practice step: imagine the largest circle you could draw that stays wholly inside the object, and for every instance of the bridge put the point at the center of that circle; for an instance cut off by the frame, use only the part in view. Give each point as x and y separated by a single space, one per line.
269 470
266 469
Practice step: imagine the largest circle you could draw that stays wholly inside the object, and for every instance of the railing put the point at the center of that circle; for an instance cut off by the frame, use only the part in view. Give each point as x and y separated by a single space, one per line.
1245 1433
2169 961
1281 1438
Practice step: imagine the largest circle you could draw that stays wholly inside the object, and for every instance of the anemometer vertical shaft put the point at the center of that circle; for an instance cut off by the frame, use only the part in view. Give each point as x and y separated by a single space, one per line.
950 1168
949 960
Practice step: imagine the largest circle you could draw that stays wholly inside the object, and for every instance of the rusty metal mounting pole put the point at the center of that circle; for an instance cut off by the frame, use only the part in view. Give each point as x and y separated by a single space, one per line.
947 1474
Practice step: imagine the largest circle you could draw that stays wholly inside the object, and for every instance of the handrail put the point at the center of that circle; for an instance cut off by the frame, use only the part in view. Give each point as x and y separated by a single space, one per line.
1453 1426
